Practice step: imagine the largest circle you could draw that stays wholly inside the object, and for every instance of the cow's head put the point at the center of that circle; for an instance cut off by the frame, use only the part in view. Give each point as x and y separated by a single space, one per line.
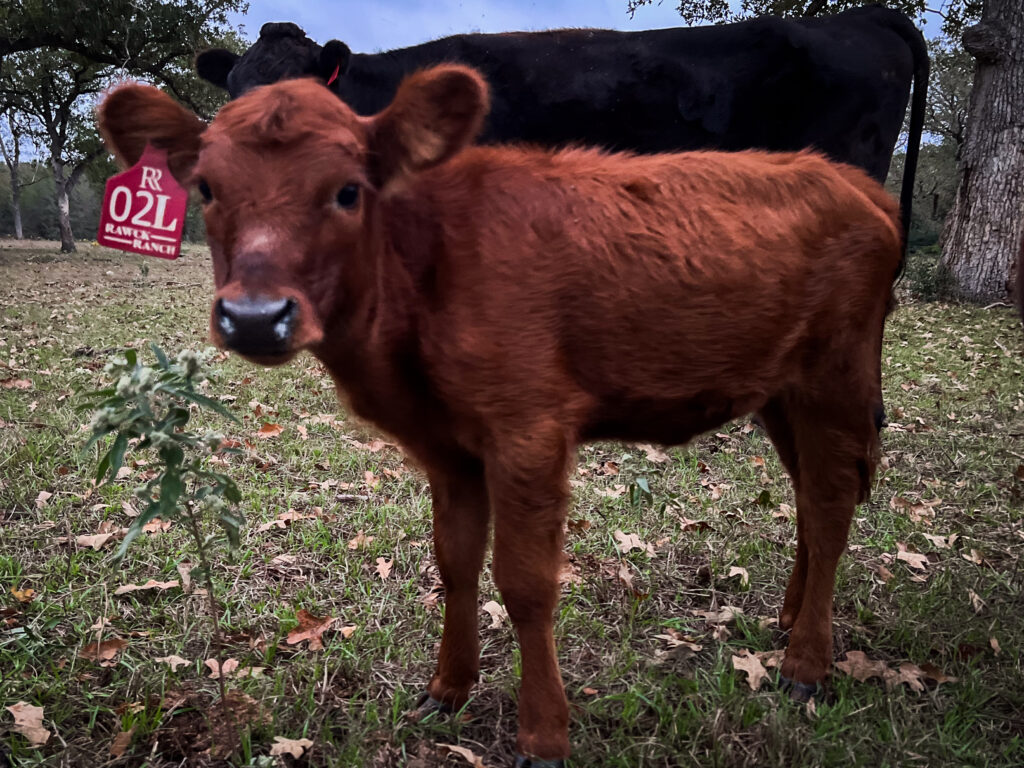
289 181
282 52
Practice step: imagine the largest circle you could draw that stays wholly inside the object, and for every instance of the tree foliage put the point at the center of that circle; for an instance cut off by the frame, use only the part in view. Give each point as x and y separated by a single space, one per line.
954 15
141 35
55 57
949 91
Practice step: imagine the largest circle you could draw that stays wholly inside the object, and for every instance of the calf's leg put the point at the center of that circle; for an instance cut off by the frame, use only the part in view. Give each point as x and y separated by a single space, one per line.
529 497
837 447
776 419
461 517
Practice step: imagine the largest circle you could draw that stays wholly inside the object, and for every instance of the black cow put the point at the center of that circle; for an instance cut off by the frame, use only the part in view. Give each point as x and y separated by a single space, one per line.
838 83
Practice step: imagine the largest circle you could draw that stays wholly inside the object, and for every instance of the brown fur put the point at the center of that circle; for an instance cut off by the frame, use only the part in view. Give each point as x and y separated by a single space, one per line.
494 310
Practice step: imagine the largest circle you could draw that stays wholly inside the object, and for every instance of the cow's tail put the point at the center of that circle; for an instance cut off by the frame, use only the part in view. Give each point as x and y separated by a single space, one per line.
905 28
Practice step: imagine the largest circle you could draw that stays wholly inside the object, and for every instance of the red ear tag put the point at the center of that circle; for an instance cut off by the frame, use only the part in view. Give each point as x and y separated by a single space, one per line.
334 74
144 208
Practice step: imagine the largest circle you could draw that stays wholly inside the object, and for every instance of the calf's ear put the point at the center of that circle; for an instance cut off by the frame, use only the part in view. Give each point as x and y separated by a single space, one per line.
135 115
435 113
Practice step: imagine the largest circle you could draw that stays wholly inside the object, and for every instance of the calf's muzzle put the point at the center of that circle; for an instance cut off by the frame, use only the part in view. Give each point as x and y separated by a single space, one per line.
257 326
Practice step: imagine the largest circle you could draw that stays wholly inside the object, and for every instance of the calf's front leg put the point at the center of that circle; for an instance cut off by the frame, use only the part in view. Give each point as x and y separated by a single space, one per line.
461 517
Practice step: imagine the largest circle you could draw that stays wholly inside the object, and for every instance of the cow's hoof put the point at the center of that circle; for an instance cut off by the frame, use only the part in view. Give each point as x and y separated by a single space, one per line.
536 762
427 705
802 692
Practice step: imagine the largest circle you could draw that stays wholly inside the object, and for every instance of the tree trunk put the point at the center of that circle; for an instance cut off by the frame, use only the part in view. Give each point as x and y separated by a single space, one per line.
16 201
61 188
984 229
12 158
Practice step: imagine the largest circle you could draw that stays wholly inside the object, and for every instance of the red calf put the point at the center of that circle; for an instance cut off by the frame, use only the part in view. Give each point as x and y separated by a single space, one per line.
493 307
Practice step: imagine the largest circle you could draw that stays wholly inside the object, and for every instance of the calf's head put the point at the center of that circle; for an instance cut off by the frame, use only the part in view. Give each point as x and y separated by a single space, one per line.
290 178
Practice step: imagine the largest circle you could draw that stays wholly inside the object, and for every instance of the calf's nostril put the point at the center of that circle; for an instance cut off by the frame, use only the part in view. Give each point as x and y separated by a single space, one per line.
225 321
285 319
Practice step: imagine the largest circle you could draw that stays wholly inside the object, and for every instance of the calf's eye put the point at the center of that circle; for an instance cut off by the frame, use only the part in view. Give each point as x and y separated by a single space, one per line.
348 196
205 191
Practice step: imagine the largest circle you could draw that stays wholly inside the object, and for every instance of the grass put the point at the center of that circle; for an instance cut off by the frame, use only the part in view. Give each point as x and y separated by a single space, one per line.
954 392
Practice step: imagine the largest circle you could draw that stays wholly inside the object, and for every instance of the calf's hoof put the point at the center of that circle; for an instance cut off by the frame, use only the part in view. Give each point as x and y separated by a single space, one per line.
801 692
536 762
427 705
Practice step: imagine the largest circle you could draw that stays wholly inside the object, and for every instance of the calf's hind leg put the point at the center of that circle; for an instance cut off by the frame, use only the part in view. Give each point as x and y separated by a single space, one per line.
837 449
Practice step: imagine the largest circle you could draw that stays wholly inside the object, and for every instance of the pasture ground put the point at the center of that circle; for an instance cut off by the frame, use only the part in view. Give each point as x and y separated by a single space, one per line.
649 676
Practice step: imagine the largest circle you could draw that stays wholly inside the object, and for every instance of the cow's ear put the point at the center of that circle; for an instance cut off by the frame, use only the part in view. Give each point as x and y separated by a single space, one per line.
435 113
215 64
135 115
334 59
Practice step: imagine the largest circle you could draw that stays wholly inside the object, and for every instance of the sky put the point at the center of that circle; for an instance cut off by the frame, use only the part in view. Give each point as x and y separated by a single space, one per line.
368 26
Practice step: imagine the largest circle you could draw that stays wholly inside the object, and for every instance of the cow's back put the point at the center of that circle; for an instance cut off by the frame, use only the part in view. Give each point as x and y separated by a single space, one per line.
839 84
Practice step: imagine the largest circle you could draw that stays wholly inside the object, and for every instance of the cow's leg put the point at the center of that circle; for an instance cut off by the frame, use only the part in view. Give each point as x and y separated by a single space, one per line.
837 446
461 516
777 422
528 497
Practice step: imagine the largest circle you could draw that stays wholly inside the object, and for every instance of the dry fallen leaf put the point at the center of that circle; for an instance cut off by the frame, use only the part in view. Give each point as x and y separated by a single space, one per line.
184 569
16 384
751 664
104 652
735 570
973 557
96 541
913 559
653 454
976 602
151 584
611 493
675 639
28 721
496 611
466 754
121 742
627 542
283 520
884 574
909 674
625 575
310 628
360 541
785 512
858 666
156 525
219 670
42 498
725 615
294 747
173 661
942 542
771 659
26 595
934 673
384 567
268 431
